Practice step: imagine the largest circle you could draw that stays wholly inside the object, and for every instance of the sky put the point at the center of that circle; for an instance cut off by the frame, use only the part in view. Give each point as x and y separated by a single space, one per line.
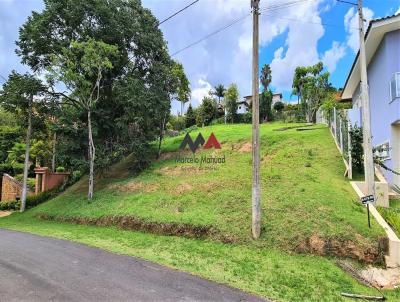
297 34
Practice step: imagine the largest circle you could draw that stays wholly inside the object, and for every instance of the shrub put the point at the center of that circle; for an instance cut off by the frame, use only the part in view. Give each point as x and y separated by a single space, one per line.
218 121
178 122
357 152
31 201
6 168
60 169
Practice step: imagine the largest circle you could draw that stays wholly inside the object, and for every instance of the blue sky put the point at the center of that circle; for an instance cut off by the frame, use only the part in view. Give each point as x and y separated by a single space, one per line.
291 36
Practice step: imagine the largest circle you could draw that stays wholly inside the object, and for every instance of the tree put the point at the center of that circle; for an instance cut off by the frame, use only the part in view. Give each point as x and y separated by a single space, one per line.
21 95
190 117
133 96
219 92
278 106
312 85
183 88
266 77
266 106
81 67
231 99
206 112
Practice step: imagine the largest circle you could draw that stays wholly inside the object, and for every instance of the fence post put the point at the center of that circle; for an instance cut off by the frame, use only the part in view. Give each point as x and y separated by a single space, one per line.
341 134
350 173
334 121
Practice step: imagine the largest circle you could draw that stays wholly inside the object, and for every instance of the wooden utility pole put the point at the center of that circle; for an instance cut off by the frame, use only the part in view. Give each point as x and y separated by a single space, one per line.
366 115
256 209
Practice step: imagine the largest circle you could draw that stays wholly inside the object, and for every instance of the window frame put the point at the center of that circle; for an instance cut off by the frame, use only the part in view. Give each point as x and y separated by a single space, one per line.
396 78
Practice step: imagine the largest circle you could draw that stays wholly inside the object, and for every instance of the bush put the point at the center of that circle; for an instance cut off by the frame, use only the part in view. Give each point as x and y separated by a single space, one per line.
31 201
60 169
245 118
218 121
6 168
178 122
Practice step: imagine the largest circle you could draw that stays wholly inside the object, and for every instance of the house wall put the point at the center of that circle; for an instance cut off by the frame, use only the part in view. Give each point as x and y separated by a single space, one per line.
381 69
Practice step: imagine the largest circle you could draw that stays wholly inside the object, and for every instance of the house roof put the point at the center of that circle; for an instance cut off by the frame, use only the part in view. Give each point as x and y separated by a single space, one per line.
376 31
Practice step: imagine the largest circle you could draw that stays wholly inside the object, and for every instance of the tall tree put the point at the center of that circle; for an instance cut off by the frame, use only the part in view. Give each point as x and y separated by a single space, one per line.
313 86
21 95
130 93
219 92
231 99
266 77
190 117
183 85
81 68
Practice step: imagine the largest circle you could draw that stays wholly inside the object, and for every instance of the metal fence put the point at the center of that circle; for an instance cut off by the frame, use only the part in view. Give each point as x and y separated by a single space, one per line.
340 128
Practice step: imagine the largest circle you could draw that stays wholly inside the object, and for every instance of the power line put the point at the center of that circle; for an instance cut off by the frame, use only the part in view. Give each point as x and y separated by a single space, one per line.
347 2
212 34
270 8
179 11
310 22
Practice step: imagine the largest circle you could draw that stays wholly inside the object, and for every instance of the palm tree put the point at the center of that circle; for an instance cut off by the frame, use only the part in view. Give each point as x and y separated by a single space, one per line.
219 92
266 76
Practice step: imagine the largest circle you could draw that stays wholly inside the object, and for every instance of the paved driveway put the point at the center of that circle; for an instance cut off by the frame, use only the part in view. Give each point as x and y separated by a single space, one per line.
34 268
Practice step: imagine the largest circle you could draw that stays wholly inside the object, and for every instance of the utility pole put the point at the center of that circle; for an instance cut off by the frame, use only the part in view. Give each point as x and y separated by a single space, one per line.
256 209
366 115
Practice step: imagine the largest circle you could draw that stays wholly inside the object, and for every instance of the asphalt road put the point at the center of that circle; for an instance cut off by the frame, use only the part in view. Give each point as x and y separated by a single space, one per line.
34 268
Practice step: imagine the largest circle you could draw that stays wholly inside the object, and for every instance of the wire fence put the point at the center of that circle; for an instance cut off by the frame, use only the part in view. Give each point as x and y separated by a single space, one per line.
340 128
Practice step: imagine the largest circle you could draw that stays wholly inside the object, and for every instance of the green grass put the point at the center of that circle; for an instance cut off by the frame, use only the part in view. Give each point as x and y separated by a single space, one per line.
304 193
303 189
266 272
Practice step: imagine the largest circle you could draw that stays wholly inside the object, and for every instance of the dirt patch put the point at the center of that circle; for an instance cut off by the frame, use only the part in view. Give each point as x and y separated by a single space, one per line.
134 187
245 148
167 155
181 188
339 247
137 224
5 213
382 278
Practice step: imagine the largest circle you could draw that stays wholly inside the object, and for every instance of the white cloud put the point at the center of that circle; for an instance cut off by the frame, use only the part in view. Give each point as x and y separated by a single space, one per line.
300 48
226 57
202 89
332 56
351 25
398 11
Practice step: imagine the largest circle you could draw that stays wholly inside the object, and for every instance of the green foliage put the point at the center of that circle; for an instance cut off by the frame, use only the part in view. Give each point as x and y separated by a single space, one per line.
60 169
312 85
266 77
357 151
41 152
8 136
219 92
278 106
231 99
190 118
182 84
266 106
392 217
7 119
206 112
31 201
178 123
244 118
16 154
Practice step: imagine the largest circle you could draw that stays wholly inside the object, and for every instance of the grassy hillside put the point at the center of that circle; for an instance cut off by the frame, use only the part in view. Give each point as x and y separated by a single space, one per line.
304 192
308 208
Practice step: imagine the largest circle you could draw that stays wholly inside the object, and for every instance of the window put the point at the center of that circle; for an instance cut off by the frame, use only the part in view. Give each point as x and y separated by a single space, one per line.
395 87
382 151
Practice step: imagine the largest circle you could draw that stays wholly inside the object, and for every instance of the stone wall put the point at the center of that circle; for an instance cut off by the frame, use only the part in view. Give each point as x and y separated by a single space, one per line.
10 188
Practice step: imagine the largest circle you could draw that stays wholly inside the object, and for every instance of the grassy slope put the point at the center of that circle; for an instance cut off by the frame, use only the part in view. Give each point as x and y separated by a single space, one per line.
297 202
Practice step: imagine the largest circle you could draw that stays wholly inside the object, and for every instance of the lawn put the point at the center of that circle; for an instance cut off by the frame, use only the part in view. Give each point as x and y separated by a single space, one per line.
307 205
304 192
